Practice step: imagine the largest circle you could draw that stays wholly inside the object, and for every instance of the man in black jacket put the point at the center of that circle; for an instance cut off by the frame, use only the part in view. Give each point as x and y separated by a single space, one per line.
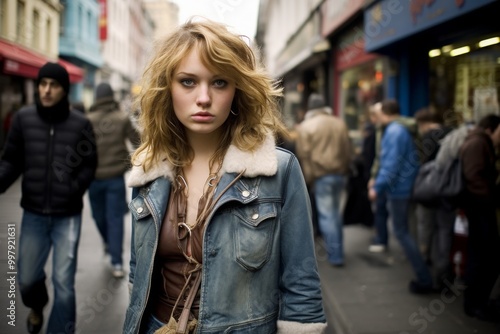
53 148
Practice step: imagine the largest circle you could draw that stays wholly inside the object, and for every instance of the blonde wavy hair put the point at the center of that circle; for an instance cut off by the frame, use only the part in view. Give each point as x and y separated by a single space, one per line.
221 51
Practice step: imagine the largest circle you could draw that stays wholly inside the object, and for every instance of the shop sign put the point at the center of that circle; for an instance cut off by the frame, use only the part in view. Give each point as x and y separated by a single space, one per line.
350 49
387 21
103 20
336 12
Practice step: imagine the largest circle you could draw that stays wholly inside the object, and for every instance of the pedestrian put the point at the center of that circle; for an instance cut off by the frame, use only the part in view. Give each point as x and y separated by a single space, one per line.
107 193
53 148
222 234
399 164
79 106
435 221
324 151
477 155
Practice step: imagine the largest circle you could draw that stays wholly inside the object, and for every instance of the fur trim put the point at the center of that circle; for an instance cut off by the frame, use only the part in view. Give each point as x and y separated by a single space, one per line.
292 327
261 162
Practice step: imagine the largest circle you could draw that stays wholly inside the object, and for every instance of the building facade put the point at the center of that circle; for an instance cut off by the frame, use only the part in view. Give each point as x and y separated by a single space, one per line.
29 37
79 43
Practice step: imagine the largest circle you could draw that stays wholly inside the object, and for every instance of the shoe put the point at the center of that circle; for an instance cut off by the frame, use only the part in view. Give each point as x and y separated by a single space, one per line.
118 271
377 248
488 314
35 321
420 289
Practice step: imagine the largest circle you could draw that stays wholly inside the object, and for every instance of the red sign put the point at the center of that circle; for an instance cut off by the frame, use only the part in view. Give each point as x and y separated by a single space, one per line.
103 20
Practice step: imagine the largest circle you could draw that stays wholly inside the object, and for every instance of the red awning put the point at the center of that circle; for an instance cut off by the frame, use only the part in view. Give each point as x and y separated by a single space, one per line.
18 60
76 73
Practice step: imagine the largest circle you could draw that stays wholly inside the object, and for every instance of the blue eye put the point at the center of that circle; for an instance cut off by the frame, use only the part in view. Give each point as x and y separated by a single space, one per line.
219 83
187 82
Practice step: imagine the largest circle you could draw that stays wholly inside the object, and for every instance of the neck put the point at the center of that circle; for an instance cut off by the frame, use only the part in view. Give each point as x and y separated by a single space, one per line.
204 146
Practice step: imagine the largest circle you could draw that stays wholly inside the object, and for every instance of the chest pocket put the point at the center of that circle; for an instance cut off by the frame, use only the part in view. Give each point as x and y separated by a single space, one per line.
254 234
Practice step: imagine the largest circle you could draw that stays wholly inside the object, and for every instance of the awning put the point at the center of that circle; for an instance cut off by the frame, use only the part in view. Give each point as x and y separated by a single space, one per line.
76 73
18 60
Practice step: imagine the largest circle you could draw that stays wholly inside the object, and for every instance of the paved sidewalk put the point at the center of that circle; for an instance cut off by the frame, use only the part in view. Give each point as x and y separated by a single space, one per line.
101 299
369 295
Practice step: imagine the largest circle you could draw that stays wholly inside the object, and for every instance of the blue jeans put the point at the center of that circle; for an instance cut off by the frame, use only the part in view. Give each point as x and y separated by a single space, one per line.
152 324
380 220
38 235
398 209
107 200
327 192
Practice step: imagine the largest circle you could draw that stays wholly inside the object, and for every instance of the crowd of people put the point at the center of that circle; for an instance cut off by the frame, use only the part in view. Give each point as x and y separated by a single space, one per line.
223 219
395 150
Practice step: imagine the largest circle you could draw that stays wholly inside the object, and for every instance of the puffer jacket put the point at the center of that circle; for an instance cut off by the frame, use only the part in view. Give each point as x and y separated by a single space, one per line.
57 161
259 270
113 129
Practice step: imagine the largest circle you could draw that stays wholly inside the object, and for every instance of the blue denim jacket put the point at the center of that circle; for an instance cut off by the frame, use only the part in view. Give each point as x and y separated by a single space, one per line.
259 268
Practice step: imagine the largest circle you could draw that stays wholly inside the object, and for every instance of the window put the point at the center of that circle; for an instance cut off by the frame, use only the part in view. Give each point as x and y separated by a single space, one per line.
37 30
20 15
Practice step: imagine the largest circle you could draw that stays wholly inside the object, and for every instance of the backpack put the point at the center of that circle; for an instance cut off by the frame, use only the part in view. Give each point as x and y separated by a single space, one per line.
442 178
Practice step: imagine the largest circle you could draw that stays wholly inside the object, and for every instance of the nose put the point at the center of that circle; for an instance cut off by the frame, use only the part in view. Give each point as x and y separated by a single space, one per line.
45 89
203 98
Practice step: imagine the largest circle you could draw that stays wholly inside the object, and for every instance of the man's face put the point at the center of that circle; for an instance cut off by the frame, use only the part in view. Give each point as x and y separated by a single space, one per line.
495 137
50 91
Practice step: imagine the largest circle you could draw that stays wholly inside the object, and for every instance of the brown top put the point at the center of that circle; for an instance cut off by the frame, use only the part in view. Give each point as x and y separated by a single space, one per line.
173 266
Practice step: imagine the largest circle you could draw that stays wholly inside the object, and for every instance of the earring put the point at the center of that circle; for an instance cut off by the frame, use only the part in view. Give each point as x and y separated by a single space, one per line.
234 113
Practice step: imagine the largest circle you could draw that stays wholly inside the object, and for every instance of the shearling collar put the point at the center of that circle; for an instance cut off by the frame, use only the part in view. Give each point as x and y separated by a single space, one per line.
261 162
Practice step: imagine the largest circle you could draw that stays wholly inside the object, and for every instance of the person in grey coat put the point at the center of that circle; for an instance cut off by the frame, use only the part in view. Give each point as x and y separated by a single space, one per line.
114 131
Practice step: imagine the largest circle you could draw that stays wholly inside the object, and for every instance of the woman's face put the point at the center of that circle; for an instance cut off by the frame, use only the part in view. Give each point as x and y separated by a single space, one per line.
201 98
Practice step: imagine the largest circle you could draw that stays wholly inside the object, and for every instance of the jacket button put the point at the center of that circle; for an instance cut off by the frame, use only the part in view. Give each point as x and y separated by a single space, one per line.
255 216
245 193
140 209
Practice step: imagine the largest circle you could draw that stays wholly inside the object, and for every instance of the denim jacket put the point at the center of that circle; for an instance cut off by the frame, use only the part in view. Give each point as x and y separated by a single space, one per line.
259 270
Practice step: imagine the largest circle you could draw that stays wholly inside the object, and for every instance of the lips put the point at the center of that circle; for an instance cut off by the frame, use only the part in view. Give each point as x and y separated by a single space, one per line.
203 116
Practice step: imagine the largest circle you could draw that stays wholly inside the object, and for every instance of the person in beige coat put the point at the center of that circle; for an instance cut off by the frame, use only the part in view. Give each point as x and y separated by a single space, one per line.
324 151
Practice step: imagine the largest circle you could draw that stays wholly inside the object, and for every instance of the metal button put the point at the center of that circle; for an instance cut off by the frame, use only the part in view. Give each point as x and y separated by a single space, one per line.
140 209
245 193
255 216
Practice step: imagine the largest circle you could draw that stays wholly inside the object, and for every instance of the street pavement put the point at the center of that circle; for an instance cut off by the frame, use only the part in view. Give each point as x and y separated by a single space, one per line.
369 295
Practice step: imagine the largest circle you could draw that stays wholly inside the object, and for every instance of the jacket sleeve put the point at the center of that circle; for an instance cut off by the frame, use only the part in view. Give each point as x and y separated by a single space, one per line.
12 161
303 149
474 169
301 308
394 141
132 134
89 164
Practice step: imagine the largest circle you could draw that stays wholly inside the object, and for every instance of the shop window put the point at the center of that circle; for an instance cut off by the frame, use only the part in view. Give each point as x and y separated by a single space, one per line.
361 86
465 79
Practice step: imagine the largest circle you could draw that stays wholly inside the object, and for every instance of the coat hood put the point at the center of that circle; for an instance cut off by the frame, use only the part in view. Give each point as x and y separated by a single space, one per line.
262 161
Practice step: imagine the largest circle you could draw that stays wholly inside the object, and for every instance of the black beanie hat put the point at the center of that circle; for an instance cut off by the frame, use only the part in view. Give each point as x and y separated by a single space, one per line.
103 90
56 72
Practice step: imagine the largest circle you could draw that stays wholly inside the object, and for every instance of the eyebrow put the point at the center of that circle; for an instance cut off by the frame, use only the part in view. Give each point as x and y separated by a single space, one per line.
215 76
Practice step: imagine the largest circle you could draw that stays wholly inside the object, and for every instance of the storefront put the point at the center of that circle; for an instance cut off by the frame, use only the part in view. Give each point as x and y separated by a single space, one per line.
358 78
18 70
447 54
302 66
361 79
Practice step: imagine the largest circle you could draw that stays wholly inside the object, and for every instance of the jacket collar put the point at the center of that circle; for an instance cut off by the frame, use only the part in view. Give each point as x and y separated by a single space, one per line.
263 161
318 111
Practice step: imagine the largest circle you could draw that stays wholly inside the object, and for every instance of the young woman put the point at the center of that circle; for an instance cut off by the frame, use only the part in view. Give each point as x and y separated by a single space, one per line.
222 238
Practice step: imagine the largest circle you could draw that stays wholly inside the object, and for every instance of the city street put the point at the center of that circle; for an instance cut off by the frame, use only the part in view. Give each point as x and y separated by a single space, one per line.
369 295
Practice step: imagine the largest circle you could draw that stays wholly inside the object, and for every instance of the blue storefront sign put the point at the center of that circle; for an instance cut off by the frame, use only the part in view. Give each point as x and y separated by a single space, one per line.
387 21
